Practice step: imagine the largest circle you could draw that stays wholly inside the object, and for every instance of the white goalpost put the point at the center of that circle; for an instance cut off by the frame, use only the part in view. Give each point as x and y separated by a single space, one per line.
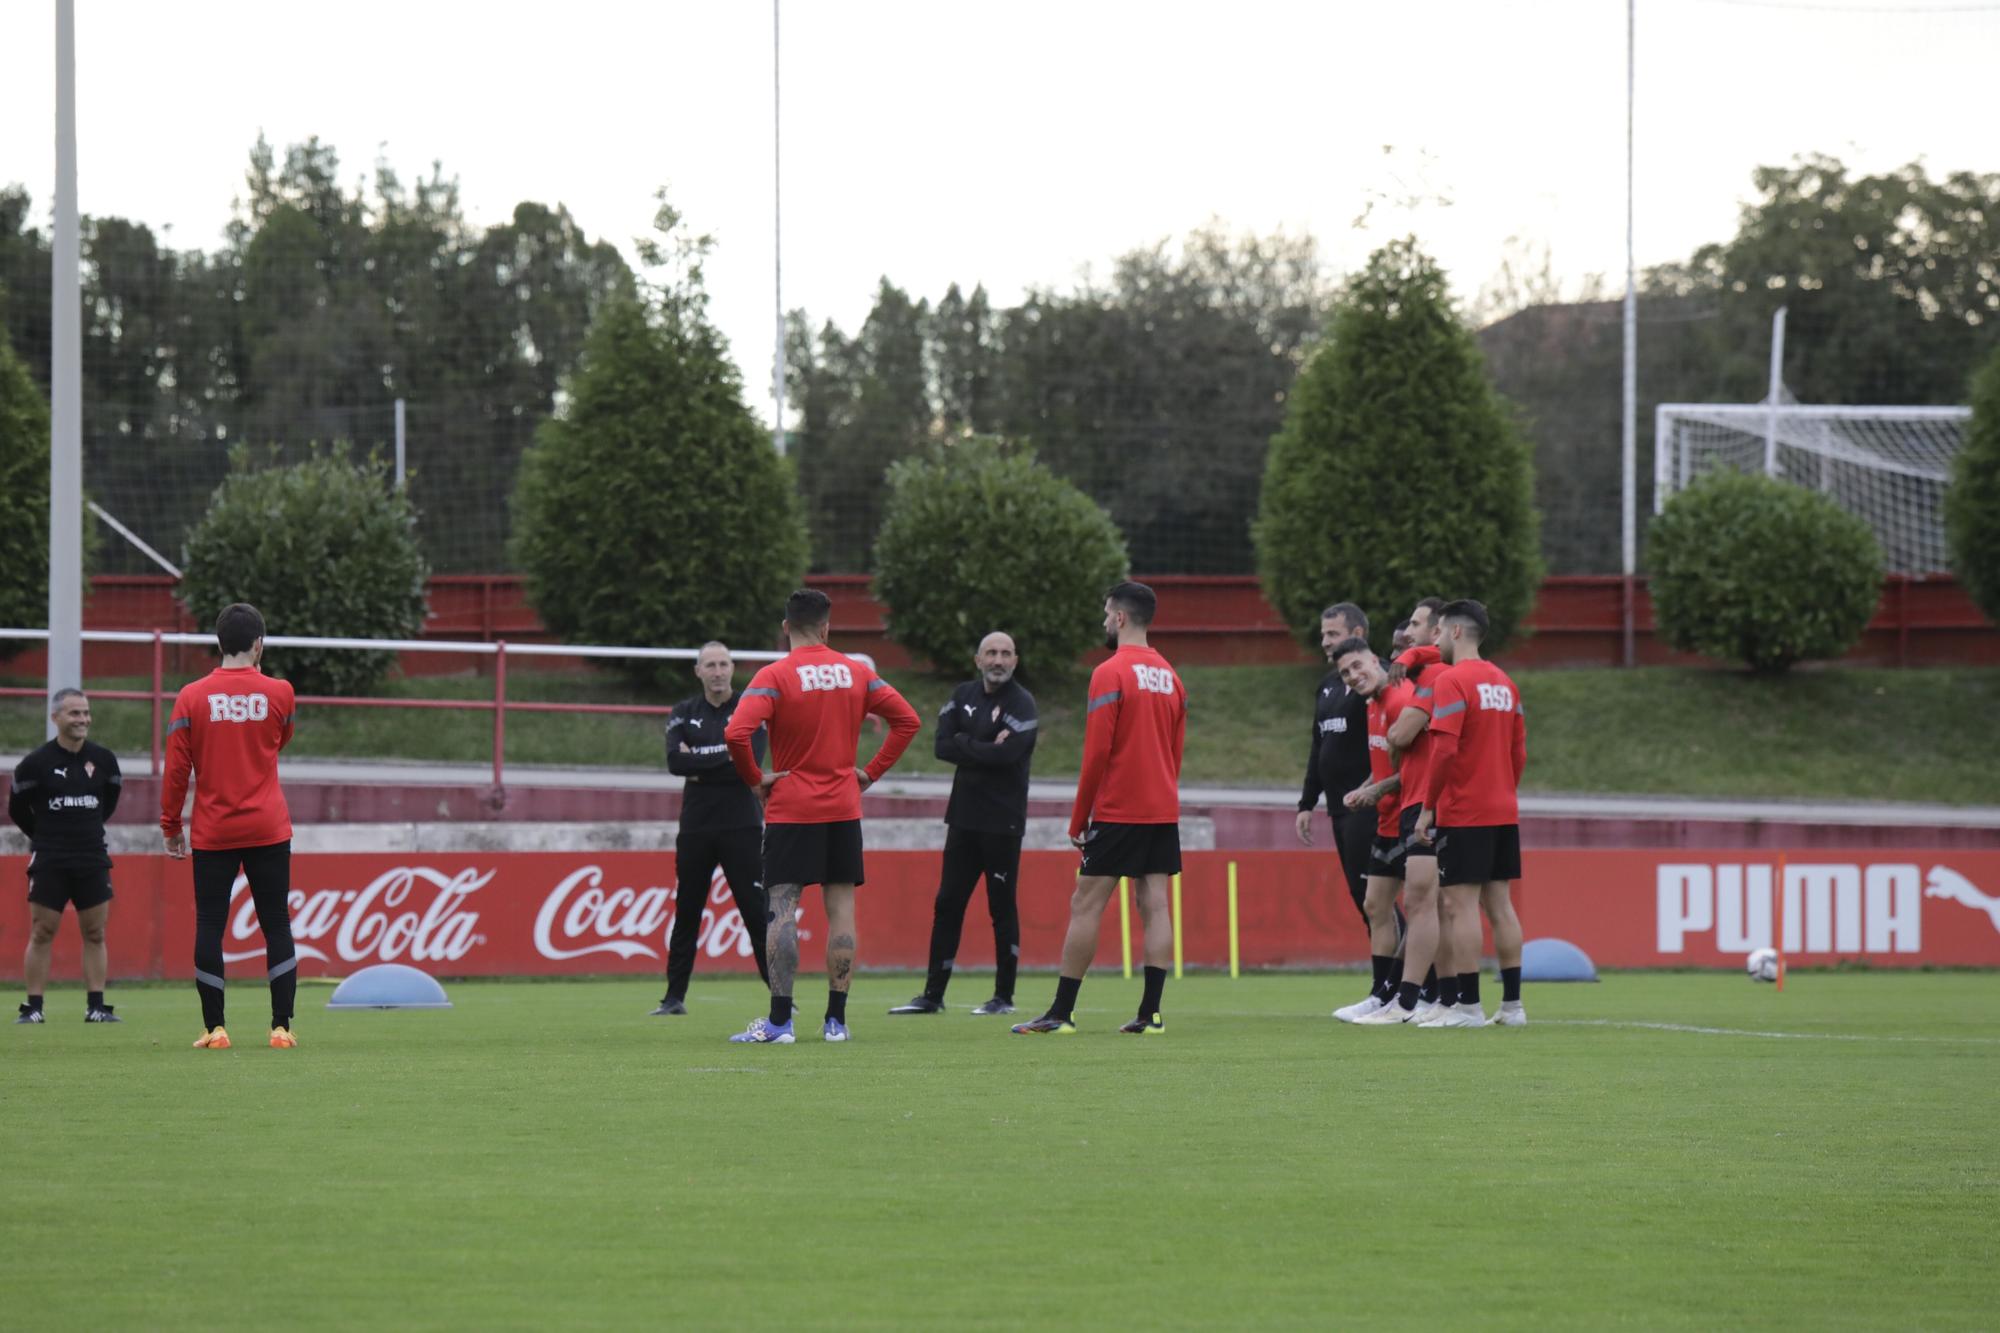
1890 465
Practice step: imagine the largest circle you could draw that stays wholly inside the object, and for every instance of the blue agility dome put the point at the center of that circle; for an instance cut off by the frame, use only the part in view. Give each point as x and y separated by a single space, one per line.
1555 960
389 986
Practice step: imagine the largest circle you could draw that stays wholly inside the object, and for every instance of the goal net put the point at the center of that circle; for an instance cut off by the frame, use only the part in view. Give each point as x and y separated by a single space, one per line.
1890 465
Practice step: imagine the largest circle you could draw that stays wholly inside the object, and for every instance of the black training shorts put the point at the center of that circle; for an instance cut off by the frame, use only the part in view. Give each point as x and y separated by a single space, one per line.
813 853
1385 857
1407 822
1479 854
1131 850
56 887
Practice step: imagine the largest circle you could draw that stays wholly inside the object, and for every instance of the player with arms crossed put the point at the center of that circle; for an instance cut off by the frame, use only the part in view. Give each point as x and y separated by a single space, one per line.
1478 752
225 733
61 796
813 701
1126 820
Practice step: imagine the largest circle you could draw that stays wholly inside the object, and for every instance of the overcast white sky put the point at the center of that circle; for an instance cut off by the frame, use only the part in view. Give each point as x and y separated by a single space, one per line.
1014 143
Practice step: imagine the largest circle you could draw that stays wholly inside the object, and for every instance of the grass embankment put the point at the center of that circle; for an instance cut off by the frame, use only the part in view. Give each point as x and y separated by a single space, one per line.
1647 1153
1915 735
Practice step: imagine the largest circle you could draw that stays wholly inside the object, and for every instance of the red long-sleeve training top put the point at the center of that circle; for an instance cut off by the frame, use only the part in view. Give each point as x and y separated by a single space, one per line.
226 731
813 701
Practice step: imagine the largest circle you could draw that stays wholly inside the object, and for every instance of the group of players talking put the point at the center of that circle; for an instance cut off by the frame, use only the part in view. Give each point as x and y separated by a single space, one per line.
1423 755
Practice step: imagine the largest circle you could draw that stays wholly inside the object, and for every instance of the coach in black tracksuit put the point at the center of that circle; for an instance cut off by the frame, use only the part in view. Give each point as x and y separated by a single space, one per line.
1338 761
988 731
721 822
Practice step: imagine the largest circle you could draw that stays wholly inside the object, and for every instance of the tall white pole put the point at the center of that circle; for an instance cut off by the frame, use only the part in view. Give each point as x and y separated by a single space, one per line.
1771 394
65 384
777 249
1629 443
402 456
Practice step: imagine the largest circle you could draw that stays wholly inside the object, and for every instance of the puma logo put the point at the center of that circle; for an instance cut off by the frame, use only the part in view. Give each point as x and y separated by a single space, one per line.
1944 882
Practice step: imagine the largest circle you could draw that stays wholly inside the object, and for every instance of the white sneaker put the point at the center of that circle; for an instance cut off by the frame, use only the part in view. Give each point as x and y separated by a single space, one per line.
1464 1016
1353 1013
1511 1015
1427 1009
1386 1015
1436 1018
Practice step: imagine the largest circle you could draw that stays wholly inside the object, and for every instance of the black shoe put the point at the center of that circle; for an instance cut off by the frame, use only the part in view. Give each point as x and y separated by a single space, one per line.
923 1004
996 1005
103 1015
1146 1027
30 1015
669 1007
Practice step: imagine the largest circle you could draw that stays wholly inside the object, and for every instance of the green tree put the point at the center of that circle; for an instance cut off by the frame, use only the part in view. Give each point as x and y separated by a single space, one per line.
24 499
325 548
1972 502
654 510
1750 569
978 536
1400 473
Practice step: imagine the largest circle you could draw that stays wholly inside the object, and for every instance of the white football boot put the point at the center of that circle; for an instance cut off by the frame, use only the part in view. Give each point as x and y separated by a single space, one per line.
1511 1015
1354 1013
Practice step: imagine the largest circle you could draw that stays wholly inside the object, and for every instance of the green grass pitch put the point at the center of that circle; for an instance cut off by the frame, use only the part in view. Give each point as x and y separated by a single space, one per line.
1648 1154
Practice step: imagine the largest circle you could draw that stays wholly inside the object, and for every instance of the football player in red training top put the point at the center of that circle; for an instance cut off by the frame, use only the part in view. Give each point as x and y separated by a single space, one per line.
1381 796
226 730
813 702
1478 751
1126 820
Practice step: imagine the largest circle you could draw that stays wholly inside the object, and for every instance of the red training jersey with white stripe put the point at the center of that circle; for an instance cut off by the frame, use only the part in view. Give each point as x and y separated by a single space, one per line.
226 731
813 701
1383 710
1475 780
1133 731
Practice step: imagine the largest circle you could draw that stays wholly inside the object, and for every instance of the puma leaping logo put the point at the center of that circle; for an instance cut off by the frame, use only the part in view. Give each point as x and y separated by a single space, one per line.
1943 882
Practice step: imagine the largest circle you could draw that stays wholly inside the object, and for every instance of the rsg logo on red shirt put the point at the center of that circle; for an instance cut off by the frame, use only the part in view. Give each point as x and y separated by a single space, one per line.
825 676
238 708
1154 680
1496 698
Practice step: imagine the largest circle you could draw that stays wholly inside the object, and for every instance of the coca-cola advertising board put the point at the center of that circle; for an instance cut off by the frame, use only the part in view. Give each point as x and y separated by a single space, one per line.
553 913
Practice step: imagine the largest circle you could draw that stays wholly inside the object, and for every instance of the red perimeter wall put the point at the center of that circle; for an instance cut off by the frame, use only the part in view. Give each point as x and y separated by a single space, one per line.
579 913
1923 620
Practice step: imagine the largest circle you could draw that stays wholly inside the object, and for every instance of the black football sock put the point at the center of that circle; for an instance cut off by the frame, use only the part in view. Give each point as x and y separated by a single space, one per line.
1384 970
1468 988
1396 972
836 1005
1065 1001
1149 1001
34 1004
1510 985
94 1000
781 1010
1406 995
1429 990
1448 990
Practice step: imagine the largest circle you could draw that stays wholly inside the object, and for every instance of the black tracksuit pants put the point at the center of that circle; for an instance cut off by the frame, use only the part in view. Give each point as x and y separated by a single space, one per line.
697 852
269 871
968 855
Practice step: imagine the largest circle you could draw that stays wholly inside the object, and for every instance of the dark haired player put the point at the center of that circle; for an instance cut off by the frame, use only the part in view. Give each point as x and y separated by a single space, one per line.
1381 799
1336 765
987 730
1478 752
225 733
61 796
813 700
721 823
1126 820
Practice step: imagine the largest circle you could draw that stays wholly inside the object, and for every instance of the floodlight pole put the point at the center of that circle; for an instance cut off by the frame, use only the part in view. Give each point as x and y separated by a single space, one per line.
65 385
1629 435
777 251
1771 394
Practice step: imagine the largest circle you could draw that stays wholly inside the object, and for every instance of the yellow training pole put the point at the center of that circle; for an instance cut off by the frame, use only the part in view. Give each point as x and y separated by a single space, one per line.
1177 927
1234 952
1125 924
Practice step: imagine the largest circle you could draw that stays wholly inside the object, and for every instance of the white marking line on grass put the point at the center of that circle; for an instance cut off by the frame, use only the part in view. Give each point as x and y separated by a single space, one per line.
1747 1032
723 1069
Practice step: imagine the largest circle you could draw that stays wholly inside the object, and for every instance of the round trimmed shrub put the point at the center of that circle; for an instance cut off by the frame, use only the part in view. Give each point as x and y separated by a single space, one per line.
656 512
1755 570
978 536
24 499
1972 503
325 548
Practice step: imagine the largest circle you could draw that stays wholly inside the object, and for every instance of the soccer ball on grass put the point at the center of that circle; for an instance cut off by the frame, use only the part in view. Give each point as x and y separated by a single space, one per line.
1762 965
